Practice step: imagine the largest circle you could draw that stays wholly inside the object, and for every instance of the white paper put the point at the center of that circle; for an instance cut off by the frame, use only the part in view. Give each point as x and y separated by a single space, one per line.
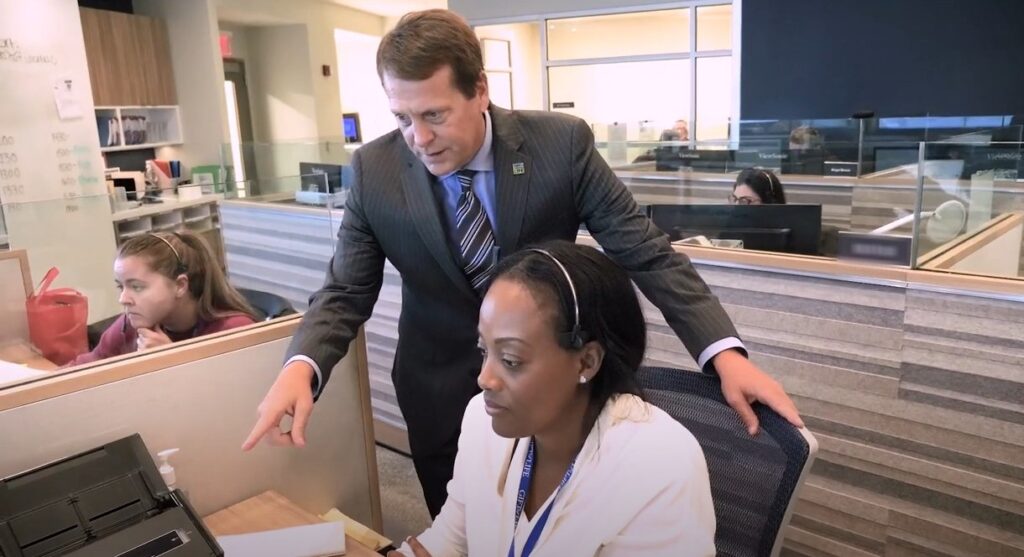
317 540
68 107
16 373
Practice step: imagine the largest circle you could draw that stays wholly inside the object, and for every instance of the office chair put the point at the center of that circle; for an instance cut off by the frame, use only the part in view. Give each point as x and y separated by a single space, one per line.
754 480
93 331
268 306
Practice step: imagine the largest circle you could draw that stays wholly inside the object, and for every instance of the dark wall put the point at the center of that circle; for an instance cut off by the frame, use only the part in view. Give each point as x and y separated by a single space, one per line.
830 58
112 5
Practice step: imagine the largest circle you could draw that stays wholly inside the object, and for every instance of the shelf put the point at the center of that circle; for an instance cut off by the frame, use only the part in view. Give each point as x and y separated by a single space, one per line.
157 107
136 147
129 128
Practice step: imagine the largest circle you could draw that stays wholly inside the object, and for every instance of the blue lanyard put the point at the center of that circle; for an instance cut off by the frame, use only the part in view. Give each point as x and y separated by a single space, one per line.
524 489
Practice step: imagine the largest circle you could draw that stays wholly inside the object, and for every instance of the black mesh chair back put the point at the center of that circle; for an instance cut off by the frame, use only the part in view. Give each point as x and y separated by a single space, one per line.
754 480
269 306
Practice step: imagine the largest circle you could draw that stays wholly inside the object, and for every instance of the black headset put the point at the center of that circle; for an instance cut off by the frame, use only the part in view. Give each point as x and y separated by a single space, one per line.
180 268
771 183
576 338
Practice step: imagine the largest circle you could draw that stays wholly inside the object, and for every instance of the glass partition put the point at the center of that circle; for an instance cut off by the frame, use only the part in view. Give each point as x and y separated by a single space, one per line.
971 207
274 262
263 163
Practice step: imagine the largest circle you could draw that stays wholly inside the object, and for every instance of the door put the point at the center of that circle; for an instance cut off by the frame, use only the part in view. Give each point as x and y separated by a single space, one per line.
242 151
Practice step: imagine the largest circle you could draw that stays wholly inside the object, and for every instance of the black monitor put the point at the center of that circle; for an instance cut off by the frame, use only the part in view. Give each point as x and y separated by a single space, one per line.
781 228
1005 158
322 177
805 161
350 127
887 157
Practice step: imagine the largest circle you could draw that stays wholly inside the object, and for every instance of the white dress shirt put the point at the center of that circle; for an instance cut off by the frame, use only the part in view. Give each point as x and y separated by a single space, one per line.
639 489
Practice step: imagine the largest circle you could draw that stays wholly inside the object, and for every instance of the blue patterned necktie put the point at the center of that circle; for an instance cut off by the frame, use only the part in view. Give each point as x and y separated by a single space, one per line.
476 240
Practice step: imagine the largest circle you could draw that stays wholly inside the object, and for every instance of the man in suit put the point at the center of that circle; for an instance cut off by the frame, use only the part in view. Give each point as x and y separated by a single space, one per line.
458 184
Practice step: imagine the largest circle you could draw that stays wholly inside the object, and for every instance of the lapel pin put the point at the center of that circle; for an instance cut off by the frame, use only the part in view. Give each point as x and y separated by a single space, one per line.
518 168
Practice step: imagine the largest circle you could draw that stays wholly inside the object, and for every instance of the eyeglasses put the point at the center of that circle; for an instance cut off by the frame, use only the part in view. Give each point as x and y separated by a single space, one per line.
745 200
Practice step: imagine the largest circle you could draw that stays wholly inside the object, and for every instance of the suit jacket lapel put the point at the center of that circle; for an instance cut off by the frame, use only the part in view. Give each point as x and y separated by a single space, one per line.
512 171
416 183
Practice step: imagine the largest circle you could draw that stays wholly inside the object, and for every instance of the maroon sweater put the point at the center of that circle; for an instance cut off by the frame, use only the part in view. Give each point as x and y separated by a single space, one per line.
120 337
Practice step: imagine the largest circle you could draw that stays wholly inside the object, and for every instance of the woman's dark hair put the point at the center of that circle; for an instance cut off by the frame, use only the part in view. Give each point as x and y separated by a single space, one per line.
765 184
609 310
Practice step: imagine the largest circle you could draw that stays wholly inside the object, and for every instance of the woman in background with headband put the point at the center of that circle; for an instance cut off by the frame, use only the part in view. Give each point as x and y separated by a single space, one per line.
172 289
560 455
757 186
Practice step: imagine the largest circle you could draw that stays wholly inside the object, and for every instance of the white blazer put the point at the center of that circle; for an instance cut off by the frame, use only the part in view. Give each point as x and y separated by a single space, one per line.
639 489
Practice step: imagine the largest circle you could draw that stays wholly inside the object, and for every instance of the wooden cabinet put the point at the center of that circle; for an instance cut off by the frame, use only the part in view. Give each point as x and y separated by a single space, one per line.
129 59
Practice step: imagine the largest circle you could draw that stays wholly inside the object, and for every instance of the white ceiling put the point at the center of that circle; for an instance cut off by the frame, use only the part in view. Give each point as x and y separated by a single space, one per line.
384 8
391 8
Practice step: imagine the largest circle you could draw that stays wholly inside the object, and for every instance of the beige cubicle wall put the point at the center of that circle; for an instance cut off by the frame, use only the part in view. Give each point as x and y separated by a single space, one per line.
16 281
201 396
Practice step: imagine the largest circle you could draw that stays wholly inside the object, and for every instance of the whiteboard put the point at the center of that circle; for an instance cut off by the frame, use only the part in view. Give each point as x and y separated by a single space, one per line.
51 169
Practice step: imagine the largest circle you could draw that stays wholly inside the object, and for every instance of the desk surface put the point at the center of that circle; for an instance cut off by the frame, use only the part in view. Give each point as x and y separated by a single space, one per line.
20 353
270 511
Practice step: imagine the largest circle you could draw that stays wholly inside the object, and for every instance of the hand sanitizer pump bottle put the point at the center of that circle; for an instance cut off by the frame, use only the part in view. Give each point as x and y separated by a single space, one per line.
167 471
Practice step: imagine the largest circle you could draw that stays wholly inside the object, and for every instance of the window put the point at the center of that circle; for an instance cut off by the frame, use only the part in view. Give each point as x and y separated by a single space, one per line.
633 75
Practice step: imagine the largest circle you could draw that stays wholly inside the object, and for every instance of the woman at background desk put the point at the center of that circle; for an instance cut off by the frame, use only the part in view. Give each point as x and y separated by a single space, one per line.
171 289
560 455
757 186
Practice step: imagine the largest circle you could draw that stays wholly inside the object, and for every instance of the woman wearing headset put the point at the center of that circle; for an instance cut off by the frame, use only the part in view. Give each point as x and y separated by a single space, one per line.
171 289
757 186
560 455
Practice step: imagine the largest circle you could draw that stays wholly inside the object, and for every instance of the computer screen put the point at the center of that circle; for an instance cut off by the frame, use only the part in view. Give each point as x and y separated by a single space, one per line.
321 177
804 161
892 157
780 228
1006 159
350 127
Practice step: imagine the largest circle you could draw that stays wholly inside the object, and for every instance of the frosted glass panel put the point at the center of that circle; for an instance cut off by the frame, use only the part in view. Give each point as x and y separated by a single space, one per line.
714 28
633 34
635 93
500 88
714 97
524 53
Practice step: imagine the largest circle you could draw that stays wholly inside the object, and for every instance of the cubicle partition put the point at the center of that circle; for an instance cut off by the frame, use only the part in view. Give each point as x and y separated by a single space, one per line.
201 396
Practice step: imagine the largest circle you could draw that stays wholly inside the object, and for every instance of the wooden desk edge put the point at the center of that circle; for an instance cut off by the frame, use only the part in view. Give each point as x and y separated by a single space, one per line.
270 511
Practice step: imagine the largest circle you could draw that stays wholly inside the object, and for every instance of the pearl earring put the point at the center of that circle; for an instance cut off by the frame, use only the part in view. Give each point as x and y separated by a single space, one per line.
583 379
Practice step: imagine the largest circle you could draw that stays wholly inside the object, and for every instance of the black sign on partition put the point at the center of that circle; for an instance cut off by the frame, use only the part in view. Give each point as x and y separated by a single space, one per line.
563 105
835 168
875 248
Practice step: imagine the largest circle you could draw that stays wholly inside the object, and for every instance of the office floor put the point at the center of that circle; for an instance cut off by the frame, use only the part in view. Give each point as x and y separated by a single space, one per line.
401 499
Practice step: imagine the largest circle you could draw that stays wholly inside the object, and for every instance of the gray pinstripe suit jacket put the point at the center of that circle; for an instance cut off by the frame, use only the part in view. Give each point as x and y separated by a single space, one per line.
391 213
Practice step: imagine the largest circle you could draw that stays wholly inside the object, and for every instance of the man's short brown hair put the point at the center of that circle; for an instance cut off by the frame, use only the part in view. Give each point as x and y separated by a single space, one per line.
424 42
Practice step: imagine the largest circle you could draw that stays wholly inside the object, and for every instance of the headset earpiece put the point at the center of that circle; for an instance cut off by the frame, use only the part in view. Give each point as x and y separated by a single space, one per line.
575 338
771 183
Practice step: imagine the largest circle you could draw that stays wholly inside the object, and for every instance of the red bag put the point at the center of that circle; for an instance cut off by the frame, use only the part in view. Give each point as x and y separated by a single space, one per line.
57 321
